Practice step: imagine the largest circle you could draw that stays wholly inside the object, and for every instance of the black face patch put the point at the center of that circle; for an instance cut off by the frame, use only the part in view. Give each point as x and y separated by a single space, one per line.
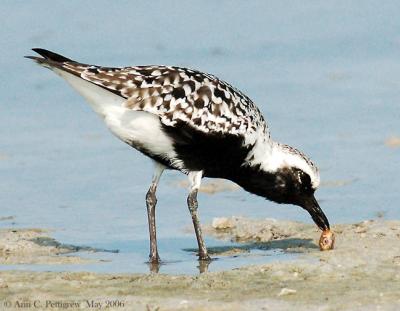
295 180
288 185
306 186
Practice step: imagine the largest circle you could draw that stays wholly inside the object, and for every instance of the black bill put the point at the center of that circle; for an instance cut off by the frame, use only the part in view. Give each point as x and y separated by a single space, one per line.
311 205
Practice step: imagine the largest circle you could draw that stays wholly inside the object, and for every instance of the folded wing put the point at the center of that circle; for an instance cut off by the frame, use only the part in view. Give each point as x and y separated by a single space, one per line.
174 94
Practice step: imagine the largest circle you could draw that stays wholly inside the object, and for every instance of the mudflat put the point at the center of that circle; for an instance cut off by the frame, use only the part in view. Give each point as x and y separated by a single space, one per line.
361 273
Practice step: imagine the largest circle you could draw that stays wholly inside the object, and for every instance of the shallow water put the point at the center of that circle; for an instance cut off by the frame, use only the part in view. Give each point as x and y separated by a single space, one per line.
132 258
324 75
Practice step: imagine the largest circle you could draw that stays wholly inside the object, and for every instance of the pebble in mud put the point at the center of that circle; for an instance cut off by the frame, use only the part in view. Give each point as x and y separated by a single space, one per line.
327 240
287 291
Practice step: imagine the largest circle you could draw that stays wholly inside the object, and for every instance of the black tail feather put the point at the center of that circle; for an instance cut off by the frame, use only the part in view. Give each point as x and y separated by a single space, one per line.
52 56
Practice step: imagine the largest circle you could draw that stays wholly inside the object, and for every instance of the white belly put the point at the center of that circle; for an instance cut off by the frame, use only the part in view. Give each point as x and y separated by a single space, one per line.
139 128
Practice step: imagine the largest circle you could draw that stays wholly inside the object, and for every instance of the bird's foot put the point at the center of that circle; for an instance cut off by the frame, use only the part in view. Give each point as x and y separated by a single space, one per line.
154 263
154 259
205 258
203 265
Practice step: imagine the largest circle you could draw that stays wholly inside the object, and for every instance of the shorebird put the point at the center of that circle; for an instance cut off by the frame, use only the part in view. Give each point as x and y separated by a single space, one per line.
195 123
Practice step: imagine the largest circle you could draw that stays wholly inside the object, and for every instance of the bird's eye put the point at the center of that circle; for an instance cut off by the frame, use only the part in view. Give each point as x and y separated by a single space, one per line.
304 180
300 176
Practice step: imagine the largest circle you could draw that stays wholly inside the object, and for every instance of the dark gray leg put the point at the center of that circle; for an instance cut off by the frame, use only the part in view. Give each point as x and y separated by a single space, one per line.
151 202
195 179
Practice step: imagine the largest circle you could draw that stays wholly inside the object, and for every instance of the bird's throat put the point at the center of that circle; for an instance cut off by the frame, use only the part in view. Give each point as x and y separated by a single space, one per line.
257 181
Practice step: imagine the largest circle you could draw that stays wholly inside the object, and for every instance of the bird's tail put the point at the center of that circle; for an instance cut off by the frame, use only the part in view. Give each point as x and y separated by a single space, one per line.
48 55
99 96
50 59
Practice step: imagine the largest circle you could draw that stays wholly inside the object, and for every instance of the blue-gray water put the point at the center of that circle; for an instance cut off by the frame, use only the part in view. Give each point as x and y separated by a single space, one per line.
325 75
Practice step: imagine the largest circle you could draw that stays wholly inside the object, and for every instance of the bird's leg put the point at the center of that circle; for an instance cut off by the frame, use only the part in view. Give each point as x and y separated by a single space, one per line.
151 202
195 180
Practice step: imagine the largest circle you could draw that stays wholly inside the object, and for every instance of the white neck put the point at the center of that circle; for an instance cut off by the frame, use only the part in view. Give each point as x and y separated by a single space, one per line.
271 156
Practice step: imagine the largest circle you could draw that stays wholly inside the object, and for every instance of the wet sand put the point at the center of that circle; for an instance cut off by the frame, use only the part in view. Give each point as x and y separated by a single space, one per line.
362 273
34 246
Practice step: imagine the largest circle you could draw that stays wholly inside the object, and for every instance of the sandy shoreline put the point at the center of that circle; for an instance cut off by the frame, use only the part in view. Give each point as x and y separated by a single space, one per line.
362 273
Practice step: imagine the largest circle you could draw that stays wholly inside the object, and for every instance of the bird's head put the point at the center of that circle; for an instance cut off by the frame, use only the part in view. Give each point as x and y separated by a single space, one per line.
296 179
293 185
293 179
285 175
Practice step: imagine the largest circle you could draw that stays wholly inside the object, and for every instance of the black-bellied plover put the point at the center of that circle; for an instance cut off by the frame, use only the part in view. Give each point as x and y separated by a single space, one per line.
194 122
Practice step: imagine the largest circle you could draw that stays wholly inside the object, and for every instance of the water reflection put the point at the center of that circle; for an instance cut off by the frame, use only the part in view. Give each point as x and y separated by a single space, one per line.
202 266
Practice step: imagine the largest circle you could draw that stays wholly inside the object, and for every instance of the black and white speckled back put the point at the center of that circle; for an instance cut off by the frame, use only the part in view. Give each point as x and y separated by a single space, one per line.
178 94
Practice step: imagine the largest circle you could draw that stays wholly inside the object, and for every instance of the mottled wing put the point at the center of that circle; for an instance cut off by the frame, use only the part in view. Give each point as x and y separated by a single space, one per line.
179 94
